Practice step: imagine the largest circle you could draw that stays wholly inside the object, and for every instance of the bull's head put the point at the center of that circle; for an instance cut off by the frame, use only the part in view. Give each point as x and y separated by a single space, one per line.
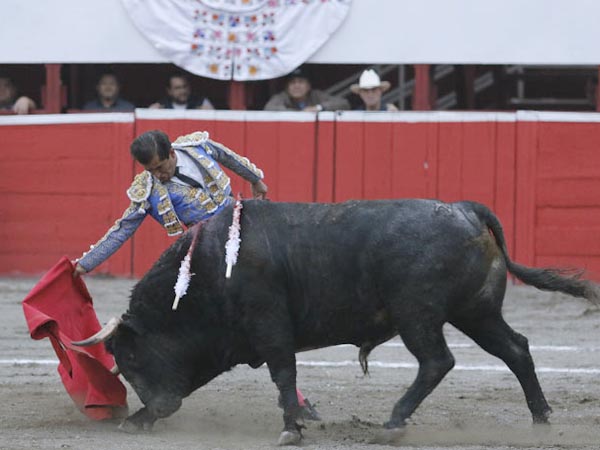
160 366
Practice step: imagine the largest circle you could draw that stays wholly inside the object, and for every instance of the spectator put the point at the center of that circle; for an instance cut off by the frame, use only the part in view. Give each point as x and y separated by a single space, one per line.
299 96
179 96
107 95
9 101
370 88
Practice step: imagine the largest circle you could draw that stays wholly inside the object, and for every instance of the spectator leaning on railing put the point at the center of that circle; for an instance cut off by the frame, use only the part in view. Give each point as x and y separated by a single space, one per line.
180 96
108 99
9 101
299 95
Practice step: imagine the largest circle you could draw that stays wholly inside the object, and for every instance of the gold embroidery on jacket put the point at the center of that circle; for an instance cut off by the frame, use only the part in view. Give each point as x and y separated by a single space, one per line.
140 187
165 209
190 140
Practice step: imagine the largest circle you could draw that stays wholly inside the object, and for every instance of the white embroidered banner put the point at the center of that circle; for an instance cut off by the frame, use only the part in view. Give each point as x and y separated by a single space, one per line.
237 39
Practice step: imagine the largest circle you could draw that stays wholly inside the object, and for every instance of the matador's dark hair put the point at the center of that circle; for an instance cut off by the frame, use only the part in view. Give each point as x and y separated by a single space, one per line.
148 144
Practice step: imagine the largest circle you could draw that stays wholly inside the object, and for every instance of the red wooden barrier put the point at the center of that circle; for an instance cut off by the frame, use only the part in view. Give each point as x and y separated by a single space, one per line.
325 157
283 146
527 129
62 181
64 176
567 191
450 156
415 164
505 179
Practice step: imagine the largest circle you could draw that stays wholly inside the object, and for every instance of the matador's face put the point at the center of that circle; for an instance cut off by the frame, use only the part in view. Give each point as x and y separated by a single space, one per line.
163 169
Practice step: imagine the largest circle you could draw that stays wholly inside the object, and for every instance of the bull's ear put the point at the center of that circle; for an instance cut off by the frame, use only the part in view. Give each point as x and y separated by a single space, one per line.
132 323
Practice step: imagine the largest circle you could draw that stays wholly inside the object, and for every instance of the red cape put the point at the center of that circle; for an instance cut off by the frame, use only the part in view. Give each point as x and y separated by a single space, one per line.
60 307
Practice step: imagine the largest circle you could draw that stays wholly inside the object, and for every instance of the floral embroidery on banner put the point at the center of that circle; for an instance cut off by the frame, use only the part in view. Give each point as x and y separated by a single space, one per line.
238 39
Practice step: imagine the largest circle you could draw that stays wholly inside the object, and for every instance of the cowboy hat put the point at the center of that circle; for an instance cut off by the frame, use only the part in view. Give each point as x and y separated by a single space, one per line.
370 80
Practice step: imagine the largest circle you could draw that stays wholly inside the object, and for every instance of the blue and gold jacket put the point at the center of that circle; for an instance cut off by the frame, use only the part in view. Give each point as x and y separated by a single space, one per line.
174 205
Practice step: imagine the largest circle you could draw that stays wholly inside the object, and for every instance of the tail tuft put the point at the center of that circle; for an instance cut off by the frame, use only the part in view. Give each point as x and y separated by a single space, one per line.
568 281
592 293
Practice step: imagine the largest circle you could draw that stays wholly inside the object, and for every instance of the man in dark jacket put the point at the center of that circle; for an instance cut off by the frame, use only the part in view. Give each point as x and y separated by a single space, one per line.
299 96
108 96
179 96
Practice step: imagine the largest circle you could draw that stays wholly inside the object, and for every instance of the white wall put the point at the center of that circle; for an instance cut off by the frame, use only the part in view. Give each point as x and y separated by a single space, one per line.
468 31
376 31
70 31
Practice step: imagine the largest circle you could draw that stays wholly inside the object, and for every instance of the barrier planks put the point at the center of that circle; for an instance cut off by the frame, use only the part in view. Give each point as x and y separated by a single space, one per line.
65 178
62 181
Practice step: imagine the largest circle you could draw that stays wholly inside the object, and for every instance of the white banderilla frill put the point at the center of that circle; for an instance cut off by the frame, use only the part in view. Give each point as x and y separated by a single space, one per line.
183 278
232 247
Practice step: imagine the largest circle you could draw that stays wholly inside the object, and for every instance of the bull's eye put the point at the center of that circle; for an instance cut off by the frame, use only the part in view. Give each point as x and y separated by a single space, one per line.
129 361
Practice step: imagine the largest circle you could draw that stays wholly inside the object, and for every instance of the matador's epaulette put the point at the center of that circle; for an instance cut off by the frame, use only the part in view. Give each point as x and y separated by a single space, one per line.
141 187
191 140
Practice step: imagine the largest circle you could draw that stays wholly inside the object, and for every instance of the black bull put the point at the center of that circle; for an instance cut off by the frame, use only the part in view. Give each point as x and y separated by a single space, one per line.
316 275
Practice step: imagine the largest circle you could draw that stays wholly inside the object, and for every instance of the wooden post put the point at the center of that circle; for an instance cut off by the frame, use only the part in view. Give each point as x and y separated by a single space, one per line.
74 86
237 95
53 89
469 71
422 94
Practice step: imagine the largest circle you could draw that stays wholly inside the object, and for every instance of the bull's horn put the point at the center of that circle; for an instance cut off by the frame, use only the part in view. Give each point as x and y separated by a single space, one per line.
102 335
115 370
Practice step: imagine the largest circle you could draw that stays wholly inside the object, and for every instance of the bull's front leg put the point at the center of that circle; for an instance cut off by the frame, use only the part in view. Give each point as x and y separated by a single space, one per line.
143 420
271 338
283 374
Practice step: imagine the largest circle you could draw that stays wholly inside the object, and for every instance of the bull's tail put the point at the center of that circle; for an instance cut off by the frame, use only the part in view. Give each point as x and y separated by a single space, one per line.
568 281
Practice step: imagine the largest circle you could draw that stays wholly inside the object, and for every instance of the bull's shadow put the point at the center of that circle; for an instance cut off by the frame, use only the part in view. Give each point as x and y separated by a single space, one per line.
317 275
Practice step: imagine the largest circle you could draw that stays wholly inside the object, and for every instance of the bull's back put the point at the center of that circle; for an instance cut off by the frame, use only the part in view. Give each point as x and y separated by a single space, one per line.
342 264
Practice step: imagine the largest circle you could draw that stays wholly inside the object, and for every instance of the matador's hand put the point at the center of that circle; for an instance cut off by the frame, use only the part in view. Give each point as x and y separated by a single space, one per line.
79 270
259 190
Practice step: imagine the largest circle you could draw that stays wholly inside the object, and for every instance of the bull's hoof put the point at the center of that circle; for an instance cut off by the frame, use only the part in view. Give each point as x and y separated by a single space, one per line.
542 418
131 427
393 424
389 436
289 438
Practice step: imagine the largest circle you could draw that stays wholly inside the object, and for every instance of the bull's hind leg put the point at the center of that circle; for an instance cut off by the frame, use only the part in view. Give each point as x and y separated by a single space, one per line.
425 340
496 337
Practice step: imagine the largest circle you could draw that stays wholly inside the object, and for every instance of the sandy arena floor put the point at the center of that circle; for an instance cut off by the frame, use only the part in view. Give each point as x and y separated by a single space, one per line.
479 405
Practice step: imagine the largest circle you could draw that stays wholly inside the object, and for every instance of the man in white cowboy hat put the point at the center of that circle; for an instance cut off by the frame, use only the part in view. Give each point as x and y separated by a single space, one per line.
370 89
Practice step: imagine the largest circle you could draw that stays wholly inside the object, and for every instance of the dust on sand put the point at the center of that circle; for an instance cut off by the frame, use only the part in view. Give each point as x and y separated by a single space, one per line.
479 405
